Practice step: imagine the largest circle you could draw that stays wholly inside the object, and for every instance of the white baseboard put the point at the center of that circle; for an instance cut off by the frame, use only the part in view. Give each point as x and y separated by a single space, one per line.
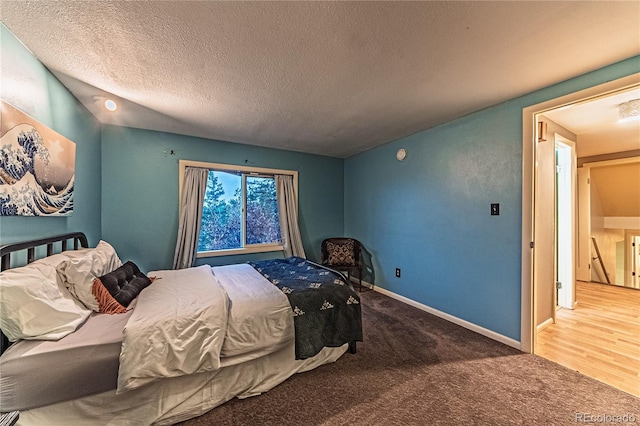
544 325
463 323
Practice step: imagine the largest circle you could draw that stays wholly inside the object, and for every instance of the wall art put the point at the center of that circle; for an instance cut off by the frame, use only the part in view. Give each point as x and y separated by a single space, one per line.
37 167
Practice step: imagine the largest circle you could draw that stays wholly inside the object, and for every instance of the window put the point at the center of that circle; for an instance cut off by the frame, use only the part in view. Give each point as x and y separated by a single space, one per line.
262 222
240 210
224 225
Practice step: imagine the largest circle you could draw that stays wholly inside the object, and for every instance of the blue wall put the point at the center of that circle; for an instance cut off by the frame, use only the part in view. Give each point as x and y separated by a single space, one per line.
140 191
30 87
430 214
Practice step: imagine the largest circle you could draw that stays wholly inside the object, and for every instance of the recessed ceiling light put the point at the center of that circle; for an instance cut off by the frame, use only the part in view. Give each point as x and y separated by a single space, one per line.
110 105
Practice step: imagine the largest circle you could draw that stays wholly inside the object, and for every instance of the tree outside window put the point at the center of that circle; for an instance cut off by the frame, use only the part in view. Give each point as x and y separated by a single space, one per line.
228 195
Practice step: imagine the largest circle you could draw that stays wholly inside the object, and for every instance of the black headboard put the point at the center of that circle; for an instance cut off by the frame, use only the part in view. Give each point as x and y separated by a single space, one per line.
29 248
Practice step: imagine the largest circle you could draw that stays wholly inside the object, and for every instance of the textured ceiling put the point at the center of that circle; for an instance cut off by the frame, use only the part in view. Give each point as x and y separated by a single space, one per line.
332 78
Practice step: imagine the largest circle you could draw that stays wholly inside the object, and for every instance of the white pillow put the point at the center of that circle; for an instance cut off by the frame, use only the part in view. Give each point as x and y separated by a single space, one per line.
79 272
34 304
56 259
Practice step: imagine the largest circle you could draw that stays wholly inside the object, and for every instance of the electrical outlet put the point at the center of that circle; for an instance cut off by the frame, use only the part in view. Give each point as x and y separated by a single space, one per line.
398 272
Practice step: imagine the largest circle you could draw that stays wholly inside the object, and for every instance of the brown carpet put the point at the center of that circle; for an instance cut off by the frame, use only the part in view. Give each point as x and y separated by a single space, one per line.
416 369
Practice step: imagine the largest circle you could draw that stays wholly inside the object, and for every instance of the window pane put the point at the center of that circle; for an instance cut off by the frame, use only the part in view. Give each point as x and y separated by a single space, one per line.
221 213
263 225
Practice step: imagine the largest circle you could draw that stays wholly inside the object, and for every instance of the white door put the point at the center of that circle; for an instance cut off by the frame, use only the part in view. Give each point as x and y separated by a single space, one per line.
565 221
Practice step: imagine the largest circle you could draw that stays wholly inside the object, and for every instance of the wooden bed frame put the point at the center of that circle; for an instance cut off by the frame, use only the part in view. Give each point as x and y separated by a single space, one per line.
79 240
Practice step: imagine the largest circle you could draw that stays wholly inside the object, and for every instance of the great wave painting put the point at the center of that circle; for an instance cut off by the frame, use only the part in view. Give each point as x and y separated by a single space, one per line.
37 167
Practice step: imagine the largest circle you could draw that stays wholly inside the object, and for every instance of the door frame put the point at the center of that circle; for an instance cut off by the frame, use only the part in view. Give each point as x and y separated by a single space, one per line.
529 141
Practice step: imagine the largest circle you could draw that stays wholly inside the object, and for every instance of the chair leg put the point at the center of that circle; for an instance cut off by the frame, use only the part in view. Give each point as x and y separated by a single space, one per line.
360 280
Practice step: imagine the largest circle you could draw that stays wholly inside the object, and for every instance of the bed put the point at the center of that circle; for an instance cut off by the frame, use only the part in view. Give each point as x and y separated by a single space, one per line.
189 341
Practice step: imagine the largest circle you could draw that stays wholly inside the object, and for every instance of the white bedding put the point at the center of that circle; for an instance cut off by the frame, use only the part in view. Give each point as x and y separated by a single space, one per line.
177 328
260 316
194 341
196 320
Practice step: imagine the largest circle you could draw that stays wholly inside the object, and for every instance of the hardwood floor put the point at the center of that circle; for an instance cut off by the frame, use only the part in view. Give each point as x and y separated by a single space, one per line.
600 337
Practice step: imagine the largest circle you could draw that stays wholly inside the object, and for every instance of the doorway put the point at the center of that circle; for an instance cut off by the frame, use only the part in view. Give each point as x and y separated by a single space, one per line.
535 252
566 159
554 217
543 261
615 218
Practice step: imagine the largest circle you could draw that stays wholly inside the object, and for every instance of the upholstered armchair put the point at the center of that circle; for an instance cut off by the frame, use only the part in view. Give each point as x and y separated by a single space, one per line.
343 254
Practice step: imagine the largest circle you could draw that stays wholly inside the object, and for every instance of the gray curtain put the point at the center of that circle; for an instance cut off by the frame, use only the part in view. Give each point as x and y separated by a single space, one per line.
194 186
288 210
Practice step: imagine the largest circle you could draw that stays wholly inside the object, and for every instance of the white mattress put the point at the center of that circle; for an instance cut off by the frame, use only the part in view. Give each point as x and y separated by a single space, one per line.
86 363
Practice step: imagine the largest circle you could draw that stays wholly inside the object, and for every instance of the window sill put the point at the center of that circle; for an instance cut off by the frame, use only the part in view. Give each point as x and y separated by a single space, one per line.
245 250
